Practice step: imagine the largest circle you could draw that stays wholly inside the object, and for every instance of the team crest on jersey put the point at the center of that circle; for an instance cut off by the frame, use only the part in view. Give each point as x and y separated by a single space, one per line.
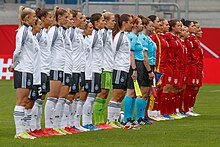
96 87
44 86
77 40
169 79
126 43
29 82
193 81
122 79
74 87
30 40
67 79
184 78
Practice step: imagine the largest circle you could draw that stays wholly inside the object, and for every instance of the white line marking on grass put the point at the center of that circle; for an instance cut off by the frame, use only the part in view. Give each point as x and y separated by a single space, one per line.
214 91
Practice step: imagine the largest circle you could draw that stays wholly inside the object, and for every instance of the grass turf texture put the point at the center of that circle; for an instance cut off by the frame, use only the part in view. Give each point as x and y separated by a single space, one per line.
202 131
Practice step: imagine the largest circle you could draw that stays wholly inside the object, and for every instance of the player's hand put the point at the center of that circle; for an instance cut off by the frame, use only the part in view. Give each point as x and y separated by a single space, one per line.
134 75
151 75
11 68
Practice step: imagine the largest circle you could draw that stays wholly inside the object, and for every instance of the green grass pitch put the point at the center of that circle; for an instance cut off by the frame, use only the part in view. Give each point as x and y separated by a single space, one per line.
202 131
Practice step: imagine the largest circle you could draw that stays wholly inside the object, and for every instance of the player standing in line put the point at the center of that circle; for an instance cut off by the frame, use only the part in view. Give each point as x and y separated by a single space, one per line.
36 90
192 59
107 68
172 68
93 71
120 68
149 56
57 47
184 35
197 61
46 19
23 67
161 62
62 106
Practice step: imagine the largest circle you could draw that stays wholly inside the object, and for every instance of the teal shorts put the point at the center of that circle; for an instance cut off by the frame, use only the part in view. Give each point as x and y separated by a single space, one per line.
106 80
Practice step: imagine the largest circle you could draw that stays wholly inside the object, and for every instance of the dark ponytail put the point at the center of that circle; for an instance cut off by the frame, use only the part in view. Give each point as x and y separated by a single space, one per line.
186 22
119 21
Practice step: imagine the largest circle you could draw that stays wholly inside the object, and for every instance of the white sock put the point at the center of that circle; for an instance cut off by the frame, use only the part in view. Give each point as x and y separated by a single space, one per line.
114 109
18 117
58 113
73 107
39 115
34 113
27 119
49 111
87 109
66 114
78 113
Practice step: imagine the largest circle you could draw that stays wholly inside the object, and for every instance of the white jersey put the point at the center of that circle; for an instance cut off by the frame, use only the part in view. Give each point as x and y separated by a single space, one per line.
57 47
68 53
77 46
24 53
97 51
42 38
87 45
108 54
37 63
122 52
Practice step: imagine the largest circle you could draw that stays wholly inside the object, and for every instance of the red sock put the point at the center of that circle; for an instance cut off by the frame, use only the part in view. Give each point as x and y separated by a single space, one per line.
177 101
163 103
181 101
174 103
187 97
171 97
194 94
159 92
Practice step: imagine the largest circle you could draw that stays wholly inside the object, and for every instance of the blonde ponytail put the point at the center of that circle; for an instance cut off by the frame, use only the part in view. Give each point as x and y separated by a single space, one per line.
54 15
20 12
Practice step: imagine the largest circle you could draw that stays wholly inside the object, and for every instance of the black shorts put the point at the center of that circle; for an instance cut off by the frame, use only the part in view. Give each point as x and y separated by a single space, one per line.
140 67
23 80
119 79
74 83
94 85
146 81
35 92
45 83
67 78
82 79
56 75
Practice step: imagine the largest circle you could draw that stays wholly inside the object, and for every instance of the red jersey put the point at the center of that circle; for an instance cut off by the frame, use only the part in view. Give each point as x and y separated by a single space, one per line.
195 50
162 51
200 62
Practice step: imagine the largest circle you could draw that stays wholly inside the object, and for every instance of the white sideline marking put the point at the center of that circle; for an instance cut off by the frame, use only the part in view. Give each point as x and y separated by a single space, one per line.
214 91
209 50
